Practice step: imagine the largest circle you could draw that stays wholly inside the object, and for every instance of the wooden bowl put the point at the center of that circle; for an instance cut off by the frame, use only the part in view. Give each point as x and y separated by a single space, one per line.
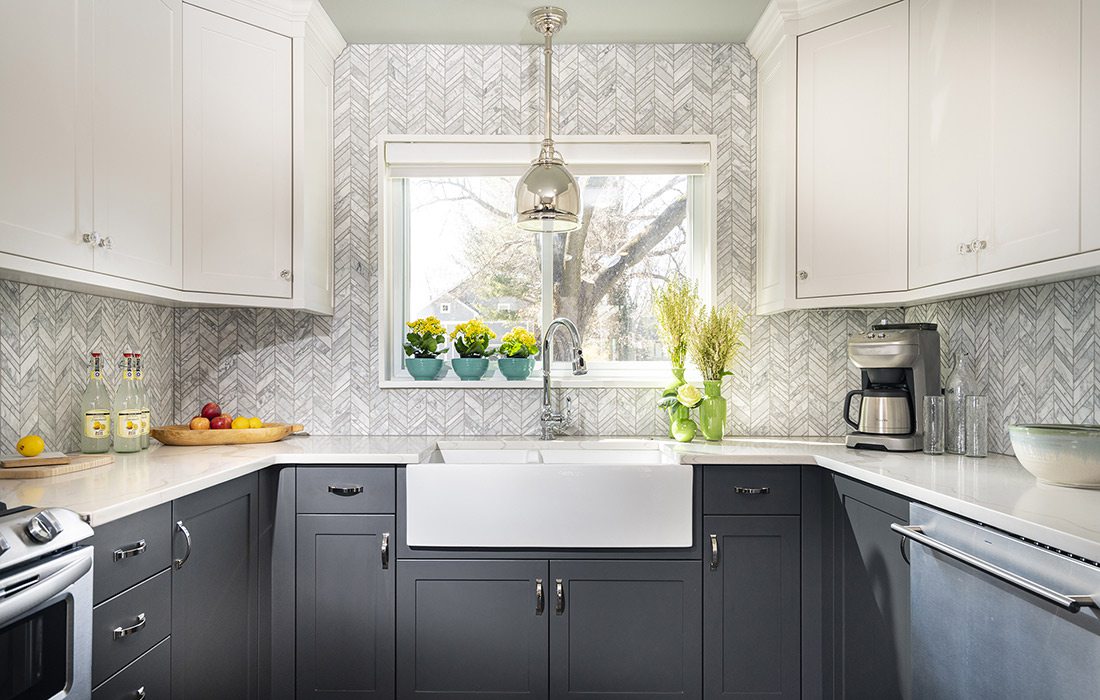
181 435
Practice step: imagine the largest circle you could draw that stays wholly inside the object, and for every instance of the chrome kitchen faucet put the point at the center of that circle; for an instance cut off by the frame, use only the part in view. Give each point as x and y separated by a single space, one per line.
554 423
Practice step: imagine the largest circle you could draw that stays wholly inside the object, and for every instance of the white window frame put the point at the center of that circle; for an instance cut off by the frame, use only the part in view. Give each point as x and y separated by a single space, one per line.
510 155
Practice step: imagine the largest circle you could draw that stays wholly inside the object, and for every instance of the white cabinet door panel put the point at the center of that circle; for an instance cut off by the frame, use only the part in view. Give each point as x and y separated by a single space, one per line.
1090 125
775 164
1035 133
237 157
852 155
137 139
45 150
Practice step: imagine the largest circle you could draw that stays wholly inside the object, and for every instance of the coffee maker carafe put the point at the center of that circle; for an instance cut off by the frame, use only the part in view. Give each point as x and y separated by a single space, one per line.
899 365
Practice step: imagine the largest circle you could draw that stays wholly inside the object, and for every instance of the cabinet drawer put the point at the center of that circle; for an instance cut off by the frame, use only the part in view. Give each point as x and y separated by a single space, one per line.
752 490
130 550
346 490
149 676
130 624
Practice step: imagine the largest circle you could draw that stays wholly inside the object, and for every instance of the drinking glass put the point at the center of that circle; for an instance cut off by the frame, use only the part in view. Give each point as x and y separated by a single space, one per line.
934 422
977 426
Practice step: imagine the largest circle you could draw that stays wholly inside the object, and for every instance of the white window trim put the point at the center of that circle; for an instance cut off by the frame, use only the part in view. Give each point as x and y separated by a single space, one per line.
642 374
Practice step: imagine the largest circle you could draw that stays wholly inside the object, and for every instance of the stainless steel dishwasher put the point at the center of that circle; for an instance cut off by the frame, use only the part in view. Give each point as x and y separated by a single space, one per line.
996 617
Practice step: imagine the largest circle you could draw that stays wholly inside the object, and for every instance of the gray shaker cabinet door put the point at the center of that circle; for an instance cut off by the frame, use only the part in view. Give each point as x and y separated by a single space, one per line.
472 629
871 594
751 609
345 607
625 629
215 592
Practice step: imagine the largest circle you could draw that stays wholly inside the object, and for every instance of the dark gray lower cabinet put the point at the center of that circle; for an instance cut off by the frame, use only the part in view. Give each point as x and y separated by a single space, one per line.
472 628
625 629
214 591
345 607
751 609
870 622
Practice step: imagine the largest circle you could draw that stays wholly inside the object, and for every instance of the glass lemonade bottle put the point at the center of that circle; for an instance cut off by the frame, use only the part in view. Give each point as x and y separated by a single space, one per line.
95 411
127 410
143 401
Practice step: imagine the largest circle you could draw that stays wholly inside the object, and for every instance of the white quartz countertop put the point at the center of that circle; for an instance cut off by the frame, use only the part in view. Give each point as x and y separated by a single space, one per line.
996 490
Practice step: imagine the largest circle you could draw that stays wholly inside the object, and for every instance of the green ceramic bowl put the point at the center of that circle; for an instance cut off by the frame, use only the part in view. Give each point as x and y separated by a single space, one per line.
516 368
1063 455
470 369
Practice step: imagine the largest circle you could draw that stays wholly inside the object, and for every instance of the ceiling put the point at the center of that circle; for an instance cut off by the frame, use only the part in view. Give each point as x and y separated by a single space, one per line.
505 21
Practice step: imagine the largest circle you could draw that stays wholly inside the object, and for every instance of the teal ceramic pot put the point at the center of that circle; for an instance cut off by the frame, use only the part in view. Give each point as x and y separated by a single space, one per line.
516 368
423 369
712 412
470 369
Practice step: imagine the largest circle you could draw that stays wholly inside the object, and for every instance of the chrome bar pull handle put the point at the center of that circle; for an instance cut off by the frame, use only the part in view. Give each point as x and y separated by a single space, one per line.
1073 603
385 550
345 489
752 491
139 694
120 632
559 597
187 537
540 597
714 552
131 551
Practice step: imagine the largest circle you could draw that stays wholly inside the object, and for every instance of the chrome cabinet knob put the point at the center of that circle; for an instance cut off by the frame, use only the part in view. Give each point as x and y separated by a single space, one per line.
92 238
966 248
43 527
105 242
980 244
285 274
802 274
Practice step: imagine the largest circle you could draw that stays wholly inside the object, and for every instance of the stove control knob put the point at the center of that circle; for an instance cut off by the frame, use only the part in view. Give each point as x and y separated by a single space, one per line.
43 527
4 545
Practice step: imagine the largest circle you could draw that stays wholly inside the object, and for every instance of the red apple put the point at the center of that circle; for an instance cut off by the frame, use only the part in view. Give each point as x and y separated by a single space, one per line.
199 423
211 411
221 422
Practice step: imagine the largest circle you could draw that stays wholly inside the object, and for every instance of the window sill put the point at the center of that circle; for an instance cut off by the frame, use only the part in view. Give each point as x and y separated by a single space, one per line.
562 380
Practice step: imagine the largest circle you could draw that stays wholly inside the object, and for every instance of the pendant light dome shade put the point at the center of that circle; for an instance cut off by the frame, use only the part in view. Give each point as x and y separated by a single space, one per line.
548 197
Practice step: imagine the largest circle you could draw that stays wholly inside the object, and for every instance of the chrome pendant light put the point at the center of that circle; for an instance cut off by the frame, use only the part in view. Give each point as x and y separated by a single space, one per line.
548 197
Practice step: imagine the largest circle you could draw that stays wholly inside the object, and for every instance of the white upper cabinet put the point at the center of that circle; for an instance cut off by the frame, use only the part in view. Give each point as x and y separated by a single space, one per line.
852 156
995 88
237 166
1090 125
137 140
45 149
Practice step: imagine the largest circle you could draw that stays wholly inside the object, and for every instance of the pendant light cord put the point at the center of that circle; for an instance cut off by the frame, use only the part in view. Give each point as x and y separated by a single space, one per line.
548 51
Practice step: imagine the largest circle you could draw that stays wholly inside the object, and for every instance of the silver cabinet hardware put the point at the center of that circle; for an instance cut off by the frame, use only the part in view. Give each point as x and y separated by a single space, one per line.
345 489
540 598
980 244
559 597
714 552
187 537
139 694
91 238
966 248
803 275
105 242
131 551
120 632
385 550
1073 603
752 491
285 274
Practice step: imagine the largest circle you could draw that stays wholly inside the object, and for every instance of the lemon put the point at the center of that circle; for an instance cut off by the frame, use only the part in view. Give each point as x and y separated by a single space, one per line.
240 423
30 446
255 422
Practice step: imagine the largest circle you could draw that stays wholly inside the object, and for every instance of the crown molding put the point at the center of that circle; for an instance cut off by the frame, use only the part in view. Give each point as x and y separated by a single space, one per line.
793 17
321 25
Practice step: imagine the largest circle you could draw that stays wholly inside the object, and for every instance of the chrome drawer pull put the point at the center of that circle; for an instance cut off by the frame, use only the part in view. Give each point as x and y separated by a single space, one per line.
540 598
120 632
559 597
187 538
1073 603
341 490
385 550
131 551
746 491
714 552
139 694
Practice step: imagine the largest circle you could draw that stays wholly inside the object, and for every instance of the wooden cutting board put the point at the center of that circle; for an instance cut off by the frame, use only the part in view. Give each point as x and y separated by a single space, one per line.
39 460
77 463
184 436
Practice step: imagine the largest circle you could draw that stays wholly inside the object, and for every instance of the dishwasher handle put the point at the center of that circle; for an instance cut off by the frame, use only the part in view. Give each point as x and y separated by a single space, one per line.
1073 603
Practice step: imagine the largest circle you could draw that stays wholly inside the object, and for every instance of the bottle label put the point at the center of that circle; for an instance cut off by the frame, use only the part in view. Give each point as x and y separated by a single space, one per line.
145 419
97 424
129 424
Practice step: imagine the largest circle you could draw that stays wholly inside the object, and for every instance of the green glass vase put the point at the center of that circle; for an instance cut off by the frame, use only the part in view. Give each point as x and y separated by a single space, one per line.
712 411
673 413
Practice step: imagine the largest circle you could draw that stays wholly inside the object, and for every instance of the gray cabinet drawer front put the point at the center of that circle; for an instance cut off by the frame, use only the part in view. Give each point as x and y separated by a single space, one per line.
752 490
150 674
110 652
130 550
346 490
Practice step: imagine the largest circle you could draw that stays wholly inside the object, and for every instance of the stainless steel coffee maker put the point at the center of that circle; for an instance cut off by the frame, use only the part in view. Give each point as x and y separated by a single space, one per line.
899 365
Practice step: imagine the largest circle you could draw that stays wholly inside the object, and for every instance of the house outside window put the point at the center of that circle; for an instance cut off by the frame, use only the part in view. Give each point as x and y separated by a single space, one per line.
451 249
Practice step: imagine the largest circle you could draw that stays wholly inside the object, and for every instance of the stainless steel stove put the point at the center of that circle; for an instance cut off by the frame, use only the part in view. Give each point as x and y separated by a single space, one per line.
45 604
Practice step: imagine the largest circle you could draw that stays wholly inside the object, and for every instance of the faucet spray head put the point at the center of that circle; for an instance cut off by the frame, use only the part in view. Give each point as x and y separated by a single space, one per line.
579 366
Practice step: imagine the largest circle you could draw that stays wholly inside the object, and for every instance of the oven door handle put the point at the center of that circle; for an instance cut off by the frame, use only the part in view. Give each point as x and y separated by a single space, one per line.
49 583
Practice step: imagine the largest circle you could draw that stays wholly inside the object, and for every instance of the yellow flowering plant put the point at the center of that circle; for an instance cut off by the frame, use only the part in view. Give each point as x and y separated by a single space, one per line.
472 338
676 305
715 341
519 342
426 338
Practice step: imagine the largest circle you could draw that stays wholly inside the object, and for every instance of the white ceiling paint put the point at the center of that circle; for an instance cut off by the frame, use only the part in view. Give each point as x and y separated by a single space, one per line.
505 21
